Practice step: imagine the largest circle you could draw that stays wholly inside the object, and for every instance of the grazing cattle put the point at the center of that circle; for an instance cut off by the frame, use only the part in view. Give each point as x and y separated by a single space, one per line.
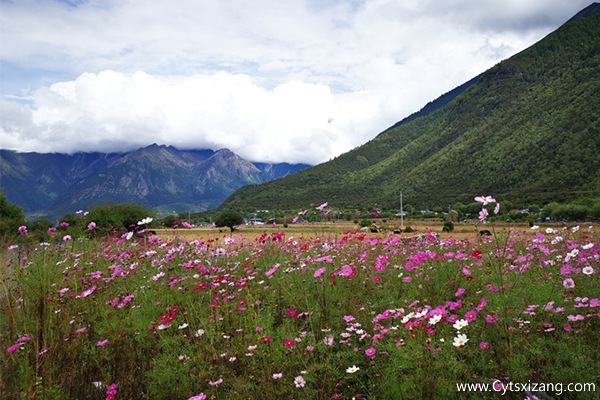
485 232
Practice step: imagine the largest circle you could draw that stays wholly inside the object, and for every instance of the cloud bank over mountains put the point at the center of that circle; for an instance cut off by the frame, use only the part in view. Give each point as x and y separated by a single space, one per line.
294 81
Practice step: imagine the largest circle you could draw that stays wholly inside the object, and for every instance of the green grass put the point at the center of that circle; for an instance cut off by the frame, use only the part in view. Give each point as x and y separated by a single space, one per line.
243 309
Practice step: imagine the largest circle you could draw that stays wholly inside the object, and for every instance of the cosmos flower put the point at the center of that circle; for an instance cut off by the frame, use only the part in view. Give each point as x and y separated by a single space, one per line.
460 340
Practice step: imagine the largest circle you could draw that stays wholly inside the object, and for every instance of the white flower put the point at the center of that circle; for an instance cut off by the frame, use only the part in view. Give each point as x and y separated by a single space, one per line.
435 319
299 381
461 323
535 227
145 221
587 246
352 369
199 332
182 326
460 340
587 270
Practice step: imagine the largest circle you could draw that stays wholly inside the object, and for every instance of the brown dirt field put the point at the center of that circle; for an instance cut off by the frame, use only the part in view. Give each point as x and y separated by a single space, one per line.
463 230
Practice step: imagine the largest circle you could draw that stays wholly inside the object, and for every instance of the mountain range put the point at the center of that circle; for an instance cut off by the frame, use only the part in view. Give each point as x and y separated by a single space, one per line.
50 185
526 131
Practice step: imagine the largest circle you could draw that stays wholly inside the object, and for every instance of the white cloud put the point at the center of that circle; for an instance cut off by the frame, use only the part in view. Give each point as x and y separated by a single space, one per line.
299 80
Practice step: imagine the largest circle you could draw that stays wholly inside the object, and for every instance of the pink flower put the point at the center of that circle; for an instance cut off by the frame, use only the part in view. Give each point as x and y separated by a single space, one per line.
370 352
289 343
51 230
271 271
497 208
200 396
485 199
91 226
569 283
483 214
491 318
322 206
14 347
87 292
22 230
319 272
216 383
471 315
460 292
348 318
102 343
347 271
484 345
111 391
299 381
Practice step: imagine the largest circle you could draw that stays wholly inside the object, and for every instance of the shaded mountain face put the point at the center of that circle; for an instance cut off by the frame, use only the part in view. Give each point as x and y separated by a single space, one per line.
156 176
526 131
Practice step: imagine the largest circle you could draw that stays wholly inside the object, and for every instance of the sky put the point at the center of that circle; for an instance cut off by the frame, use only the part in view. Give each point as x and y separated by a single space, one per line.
299 81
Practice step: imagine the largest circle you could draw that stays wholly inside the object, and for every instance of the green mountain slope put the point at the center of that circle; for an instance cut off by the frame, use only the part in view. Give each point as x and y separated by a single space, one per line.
527 131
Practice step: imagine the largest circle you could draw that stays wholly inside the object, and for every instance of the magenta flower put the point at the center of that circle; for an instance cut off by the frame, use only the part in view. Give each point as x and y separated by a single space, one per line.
471 315
347 271
111 391
460 292
289 343
200 396
22 230
91 226
491 318
102 343
370 352
484 345
319 272
12 348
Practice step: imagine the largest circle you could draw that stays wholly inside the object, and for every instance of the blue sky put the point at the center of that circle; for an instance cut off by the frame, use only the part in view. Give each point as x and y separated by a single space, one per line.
288 80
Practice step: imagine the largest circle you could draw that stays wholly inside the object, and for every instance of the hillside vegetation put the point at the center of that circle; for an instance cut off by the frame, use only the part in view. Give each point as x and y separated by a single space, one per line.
527 130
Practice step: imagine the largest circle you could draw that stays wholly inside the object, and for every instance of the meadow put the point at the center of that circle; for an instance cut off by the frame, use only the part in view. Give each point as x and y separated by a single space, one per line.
324 313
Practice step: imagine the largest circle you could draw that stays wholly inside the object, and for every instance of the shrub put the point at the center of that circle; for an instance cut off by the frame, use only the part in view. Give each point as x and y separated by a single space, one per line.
448 226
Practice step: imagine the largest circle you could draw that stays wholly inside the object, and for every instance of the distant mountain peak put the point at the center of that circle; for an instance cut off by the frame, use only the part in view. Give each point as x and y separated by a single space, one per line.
159 176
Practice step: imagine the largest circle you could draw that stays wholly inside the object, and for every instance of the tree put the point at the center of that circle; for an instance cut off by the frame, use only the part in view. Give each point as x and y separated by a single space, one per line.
11 217
230 219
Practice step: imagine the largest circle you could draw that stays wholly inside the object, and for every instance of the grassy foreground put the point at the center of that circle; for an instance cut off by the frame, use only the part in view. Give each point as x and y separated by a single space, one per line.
271 316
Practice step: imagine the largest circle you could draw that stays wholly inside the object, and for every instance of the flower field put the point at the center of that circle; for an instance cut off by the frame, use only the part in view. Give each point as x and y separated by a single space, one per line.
354 315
